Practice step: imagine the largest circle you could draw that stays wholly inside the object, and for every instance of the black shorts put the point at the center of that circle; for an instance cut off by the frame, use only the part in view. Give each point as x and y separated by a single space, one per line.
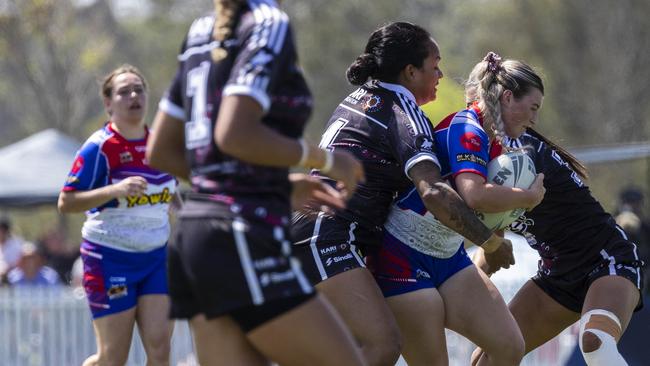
326 255
618 258
219 265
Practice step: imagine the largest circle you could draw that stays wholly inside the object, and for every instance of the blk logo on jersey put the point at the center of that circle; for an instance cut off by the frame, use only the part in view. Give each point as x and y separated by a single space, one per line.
470 141
424 142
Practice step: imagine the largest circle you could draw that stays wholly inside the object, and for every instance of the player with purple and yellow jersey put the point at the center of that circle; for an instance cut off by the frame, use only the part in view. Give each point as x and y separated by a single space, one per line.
126 228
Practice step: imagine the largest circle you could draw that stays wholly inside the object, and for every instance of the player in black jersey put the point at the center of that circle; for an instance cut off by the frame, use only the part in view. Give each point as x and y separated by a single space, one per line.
382 125
231 122
588 269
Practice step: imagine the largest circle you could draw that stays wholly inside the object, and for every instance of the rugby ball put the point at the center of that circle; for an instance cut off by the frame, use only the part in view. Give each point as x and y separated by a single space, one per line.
512 169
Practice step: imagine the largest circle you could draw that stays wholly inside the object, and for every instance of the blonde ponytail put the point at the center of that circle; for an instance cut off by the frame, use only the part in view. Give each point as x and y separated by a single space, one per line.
225 20
487 82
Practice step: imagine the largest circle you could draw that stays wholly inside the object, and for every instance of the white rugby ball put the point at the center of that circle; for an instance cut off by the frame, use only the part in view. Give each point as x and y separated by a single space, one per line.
512 169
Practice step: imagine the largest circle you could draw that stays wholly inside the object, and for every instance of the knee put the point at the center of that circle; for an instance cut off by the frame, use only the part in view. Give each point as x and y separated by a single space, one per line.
514 349
508 350
158 348
600 330
590 342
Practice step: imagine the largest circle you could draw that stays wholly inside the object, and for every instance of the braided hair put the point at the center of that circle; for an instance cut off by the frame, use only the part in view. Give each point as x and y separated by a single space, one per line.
487 82
226 12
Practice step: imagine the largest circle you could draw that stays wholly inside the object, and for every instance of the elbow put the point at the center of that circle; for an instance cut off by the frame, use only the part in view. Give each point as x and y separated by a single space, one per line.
474 203
229 143
62 205
153 159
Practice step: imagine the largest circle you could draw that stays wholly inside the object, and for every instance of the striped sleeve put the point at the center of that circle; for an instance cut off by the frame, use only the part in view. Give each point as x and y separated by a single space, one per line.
264 54
413 139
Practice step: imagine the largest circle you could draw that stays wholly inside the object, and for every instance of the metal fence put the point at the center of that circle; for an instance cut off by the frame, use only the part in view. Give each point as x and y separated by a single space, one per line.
52 326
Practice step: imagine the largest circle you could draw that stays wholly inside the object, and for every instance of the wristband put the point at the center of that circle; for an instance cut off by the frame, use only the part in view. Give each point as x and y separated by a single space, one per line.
304 154
329 162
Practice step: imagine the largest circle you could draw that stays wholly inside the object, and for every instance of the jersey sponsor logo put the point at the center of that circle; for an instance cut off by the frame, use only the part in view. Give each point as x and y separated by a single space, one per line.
372 103
117 290
337 259
424 143
356 96
422 274
77 165
470 158
126 157
268 262
149 199
470 141
328 250
276 277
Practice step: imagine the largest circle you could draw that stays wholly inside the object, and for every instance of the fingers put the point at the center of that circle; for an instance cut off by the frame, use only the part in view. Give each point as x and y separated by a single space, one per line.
323 194
131 186
311 192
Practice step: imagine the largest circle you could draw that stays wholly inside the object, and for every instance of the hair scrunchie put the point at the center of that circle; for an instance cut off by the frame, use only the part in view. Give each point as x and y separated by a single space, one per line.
494 61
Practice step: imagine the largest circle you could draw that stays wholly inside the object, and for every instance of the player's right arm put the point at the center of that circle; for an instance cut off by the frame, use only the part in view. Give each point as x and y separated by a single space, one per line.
468 157
88 186
79 201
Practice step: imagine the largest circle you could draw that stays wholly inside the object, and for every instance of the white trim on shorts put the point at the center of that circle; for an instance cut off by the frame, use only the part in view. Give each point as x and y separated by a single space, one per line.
314 249
238 227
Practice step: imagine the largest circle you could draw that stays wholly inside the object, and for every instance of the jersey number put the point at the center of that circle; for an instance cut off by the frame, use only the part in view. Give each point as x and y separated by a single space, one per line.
198 131
330 134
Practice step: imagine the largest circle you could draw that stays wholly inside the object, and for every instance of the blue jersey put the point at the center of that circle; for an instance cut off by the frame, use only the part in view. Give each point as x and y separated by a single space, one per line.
134 223
462 145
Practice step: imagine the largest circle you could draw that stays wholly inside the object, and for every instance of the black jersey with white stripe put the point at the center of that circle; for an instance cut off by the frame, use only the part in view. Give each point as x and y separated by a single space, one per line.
569 227
261 63
382 126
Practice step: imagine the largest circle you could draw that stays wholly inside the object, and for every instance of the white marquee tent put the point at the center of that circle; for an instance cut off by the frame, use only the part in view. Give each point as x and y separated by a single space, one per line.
33 170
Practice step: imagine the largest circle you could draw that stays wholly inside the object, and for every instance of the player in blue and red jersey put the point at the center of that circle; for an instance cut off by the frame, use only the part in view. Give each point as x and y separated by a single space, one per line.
588 269
381 123
231 122
423 269
126 227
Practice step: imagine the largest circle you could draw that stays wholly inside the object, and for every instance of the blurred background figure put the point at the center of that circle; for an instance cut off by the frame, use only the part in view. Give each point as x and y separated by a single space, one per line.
31 269
58 254
9 247
631 217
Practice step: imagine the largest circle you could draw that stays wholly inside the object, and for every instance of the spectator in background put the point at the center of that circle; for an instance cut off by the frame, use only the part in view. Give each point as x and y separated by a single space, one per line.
9 247
31 269
58 254
631 218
